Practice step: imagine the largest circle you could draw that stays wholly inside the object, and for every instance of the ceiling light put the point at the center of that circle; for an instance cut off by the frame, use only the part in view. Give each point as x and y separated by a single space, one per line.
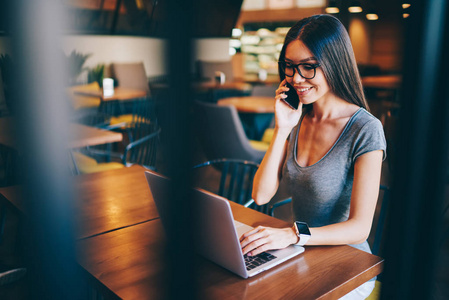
405 5
355 9
332 8
372 16
405 16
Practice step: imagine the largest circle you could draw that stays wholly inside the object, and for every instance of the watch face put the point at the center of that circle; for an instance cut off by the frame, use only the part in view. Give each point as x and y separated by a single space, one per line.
303 228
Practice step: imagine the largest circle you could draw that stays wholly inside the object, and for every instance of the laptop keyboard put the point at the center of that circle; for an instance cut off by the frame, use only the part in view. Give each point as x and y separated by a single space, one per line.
255 261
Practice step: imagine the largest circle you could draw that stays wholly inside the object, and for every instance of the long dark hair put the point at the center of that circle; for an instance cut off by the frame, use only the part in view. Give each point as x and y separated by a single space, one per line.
329 42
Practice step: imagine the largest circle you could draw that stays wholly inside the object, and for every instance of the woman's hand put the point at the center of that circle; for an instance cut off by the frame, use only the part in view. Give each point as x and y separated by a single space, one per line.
261 239
286 117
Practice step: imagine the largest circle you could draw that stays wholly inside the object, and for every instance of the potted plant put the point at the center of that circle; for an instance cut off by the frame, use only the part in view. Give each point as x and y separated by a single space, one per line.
75 66
96 74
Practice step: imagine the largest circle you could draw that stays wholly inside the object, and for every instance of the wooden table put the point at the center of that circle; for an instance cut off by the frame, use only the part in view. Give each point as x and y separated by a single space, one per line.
128 263
202 86
83 136
227 85
120 94
105 201
250 104
120 245
254 78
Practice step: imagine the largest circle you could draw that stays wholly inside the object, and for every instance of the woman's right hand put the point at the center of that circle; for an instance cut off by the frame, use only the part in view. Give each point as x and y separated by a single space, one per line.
286 117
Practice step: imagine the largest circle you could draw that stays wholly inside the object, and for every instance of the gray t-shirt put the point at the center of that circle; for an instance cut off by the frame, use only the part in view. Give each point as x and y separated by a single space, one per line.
321 193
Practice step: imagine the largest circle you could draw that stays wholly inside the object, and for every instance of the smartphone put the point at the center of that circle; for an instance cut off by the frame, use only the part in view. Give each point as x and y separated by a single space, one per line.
292 99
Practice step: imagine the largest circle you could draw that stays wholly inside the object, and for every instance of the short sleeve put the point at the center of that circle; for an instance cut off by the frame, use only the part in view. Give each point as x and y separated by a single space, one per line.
370 138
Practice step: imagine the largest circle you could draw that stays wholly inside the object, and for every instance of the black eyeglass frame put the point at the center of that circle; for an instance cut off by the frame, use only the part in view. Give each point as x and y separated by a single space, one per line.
282 64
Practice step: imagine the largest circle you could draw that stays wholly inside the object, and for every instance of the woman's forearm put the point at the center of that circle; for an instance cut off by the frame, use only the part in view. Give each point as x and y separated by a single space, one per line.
266 180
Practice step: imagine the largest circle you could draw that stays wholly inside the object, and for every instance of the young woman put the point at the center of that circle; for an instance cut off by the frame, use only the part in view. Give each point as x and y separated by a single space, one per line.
329 151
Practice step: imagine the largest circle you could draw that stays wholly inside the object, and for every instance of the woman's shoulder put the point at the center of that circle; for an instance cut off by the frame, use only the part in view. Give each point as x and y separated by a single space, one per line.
364 118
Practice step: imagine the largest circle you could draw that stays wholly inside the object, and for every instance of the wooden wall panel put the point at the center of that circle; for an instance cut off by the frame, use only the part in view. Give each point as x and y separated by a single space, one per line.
387 38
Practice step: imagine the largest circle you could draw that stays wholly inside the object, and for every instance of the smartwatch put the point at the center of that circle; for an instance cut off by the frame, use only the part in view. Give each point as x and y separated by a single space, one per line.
303 233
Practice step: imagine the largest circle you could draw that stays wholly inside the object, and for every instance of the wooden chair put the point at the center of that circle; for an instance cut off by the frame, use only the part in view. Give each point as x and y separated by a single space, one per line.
130 75
235 180
141 151
140 146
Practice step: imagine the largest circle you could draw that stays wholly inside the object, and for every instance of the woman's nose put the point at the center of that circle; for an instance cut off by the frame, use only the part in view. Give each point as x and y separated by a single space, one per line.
297 78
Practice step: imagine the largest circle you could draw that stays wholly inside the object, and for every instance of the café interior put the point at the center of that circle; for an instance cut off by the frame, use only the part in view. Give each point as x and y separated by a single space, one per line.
93 93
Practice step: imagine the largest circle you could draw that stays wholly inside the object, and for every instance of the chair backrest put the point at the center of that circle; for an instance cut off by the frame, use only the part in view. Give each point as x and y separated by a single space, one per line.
207 69
234 180
130 75
379 222
143 149
143 135
221 133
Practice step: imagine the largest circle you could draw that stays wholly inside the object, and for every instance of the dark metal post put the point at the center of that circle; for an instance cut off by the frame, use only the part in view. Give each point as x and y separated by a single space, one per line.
175 120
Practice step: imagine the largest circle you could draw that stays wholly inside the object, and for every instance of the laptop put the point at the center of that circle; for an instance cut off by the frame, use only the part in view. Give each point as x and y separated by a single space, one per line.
217 233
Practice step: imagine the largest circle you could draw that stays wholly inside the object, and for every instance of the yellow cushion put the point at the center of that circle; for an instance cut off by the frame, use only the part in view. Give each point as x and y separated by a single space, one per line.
258 145
125 119
87 164
84 160
100 167
375 294
268 135
79 101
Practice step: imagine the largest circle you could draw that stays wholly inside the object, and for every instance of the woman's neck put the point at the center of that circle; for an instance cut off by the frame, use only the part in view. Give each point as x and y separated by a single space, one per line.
331 108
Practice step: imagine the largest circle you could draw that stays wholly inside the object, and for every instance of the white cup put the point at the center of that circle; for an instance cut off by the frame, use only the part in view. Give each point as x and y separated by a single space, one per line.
220 77
263 74
108 87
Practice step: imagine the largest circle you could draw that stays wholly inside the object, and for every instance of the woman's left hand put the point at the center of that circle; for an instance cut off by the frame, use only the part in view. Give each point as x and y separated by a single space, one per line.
261 239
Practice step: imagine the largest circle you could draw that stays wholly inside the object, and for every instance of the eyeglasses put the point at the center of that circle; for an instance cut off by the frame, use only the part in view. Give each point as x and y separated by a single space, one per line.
305 70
